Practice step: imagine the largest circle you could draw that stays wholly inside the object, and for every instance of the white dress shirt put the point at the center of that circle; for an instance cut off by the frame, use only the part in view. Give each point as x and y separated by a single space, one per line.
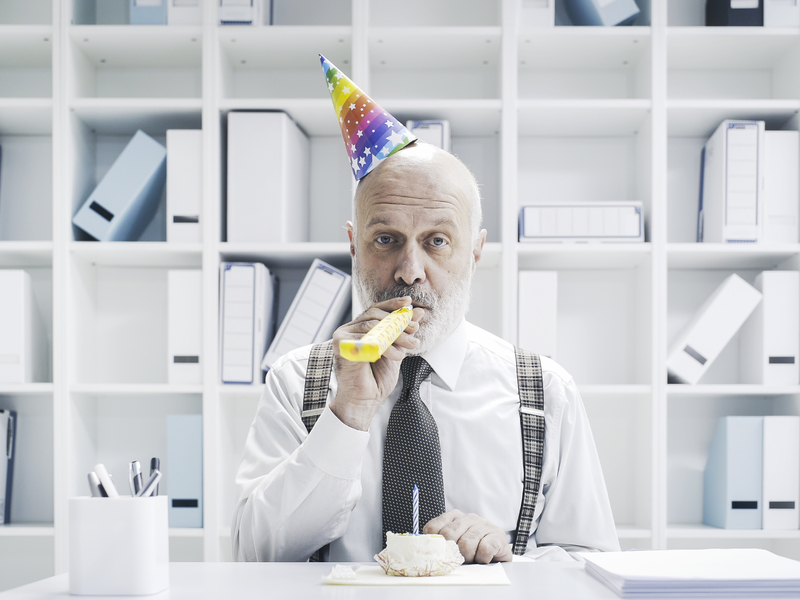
299 491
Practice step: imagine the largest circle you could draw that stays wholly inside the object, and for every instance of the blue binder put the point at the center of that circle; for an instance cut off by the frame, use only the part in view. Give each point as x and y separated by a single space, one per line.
733 475
126 199
726 13
184 470
8 431
148 12
599 12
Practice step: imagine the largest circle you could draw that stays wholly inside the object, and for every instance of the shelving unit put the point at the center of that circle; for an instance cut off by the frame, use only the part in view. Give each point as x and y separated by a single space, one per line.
558 113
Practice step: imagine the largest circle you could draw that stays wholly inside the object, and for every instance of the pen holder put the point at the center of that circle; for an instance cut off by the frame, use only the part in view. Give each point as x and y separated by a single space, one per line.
118 546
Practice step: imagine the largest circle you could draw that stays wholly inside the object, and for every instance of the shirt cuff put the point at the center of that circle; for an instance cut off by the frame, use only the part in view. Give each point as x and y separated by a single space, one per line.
334 447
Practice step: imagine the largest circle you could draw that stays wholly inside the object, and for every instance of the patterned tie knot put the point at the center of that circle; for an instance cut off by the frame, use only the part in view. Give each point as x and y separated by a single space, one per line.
415 370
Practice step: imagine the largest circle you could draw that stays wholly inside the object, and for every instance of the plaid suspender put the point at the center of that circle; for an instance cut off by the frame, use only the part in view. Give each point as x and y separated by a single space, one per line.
315 395
531 412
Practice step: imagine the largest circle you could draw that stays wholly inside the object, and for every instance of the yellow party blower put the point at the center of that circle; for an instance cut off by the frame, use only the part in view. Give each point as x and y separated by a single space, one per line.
372 346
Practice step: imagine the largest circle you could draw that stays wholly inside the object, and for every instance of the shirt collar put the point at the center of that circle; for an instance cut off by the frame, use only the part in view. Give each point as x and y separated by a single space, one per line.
446 358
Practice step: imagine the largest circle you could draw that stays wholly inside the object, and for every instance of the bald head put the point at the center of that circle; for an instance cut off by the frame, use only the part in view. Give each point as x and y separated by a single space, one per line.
423 171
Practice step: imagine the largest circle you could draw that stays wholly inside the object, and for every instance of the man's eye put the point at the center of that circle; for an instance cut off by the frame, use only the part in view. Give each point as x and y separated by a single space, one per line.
384 239
438 242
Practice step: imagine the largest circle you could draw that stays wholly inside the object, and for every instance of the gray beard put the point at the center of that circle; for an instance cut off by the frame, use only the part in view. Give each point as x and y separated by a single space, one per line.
445 309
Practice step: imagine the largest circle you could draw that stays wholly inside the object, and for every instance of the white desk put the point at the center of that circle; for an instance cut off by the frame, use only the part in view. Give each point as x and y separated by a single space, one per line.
260 581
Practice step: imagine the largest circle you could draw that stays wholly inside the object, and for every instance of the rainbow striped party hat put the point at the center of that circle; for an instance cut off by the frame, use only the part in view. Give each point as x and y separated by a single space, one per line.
370 133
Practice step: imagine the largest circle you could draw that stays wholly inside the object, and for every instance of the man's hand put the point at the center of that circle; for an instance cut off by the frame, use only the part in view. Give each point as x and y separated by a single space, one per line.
479 540
362 387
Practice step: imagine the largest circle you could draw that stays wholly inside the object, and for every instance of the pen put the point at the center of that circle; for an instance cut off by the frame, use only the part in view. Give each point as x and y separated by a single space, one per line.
151 485
96 487
135 477
155 465
105 479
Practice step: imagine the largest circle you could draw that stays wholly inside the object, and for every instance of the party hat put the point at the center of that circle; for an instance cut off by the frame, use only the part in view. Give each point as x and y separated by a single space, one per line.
370 133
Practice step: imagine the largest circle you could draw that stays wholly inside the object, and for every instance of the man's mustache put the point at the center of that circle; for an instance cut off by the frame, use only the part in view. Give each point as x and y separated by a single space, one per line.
418 296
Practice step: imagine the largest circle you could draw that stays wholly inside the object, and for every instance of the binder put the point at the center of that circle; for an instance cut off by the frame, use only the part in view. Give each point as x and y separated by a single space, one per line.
245 12
769 352
781 13
247 318
582 222
432 132
185 326
184 12
148 12
8 436
268 174
602 12
184 184
22 335
732 479
125 200
732 13
538 311
781 192
711 328
731 183
781 473
184 470
319 307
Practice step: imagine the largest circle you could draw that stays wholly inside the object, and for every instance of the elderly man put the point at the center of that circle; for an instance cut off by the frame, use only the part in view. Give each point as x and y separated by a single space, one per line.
416 238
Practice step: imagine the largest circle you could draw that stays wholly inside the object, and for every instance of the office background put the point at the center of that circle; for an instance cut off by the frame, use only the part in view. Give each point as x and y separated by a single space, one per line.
537 112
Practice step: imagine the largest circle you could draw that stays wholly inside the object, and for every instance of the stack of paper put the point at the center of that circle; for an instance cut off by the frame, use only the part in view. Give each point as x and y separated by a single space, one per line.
681 573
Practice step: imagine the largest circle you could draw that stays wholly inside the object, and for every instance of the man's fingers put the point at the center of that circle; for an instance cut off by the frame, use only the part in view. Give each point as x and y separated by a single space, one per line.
468 542
435 525
492 548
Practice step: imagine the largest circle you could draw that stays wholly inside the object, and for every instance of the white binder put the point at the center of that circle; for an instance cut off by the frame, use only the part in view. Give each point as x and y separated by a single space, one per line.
247 316
185 326
781 13
245 12
731 184
711 328
8 436
732 480
538 311
22 335
435 132
268 165
770 350
781 483
184 12
184 184
183 470
319 306
582 222
781 191
125 200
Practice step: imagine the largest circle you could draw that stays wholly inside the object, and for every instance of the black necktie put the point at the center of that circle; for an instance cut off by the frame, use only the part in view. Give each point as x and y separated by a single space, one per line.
411 455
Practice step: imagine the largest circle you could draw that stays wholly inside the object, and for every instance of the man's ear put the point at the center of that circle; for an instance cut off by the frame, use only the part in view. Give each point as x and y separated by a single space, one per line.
477 251
349 227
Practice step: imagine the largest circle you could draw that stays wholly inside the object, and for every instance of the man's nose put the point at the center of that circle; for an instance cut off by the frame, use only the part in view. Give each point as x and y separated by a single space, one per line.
411 269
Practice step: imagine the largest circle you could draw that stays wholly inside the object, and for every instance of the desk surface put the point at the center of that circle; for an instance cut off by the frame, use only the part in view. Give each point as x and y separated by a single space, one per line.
242 581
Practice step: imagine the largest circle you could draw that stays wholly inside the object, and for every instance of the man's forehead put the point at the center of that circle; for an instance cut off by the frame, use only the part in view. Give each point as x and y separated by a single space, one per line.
391 210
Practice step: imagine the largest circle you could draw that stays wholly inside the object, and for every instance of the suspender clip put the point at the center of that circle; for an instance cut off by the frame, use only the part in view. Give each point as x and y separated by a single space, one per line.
312 413
528 410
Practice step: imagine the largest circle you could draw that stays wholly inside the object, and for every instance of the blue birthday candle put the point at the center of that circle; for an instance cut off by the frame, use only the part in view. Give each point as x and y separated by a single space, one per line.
416 510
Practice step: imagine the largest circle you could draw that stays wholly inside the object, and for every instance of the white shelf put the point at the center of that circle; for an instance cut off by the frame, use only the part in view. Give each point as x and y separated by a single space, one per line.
583 256
730 256
26 389
138 254
110 46
738 389
286 47
133 389
26 254
285 255
27 530
699 118
583 47
728 47
705 532
125 115
26 45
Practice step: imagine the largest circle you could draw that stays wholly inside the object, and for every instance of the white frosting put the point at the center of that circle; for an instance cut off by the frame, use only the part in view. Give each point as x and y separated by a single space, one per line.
410 548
